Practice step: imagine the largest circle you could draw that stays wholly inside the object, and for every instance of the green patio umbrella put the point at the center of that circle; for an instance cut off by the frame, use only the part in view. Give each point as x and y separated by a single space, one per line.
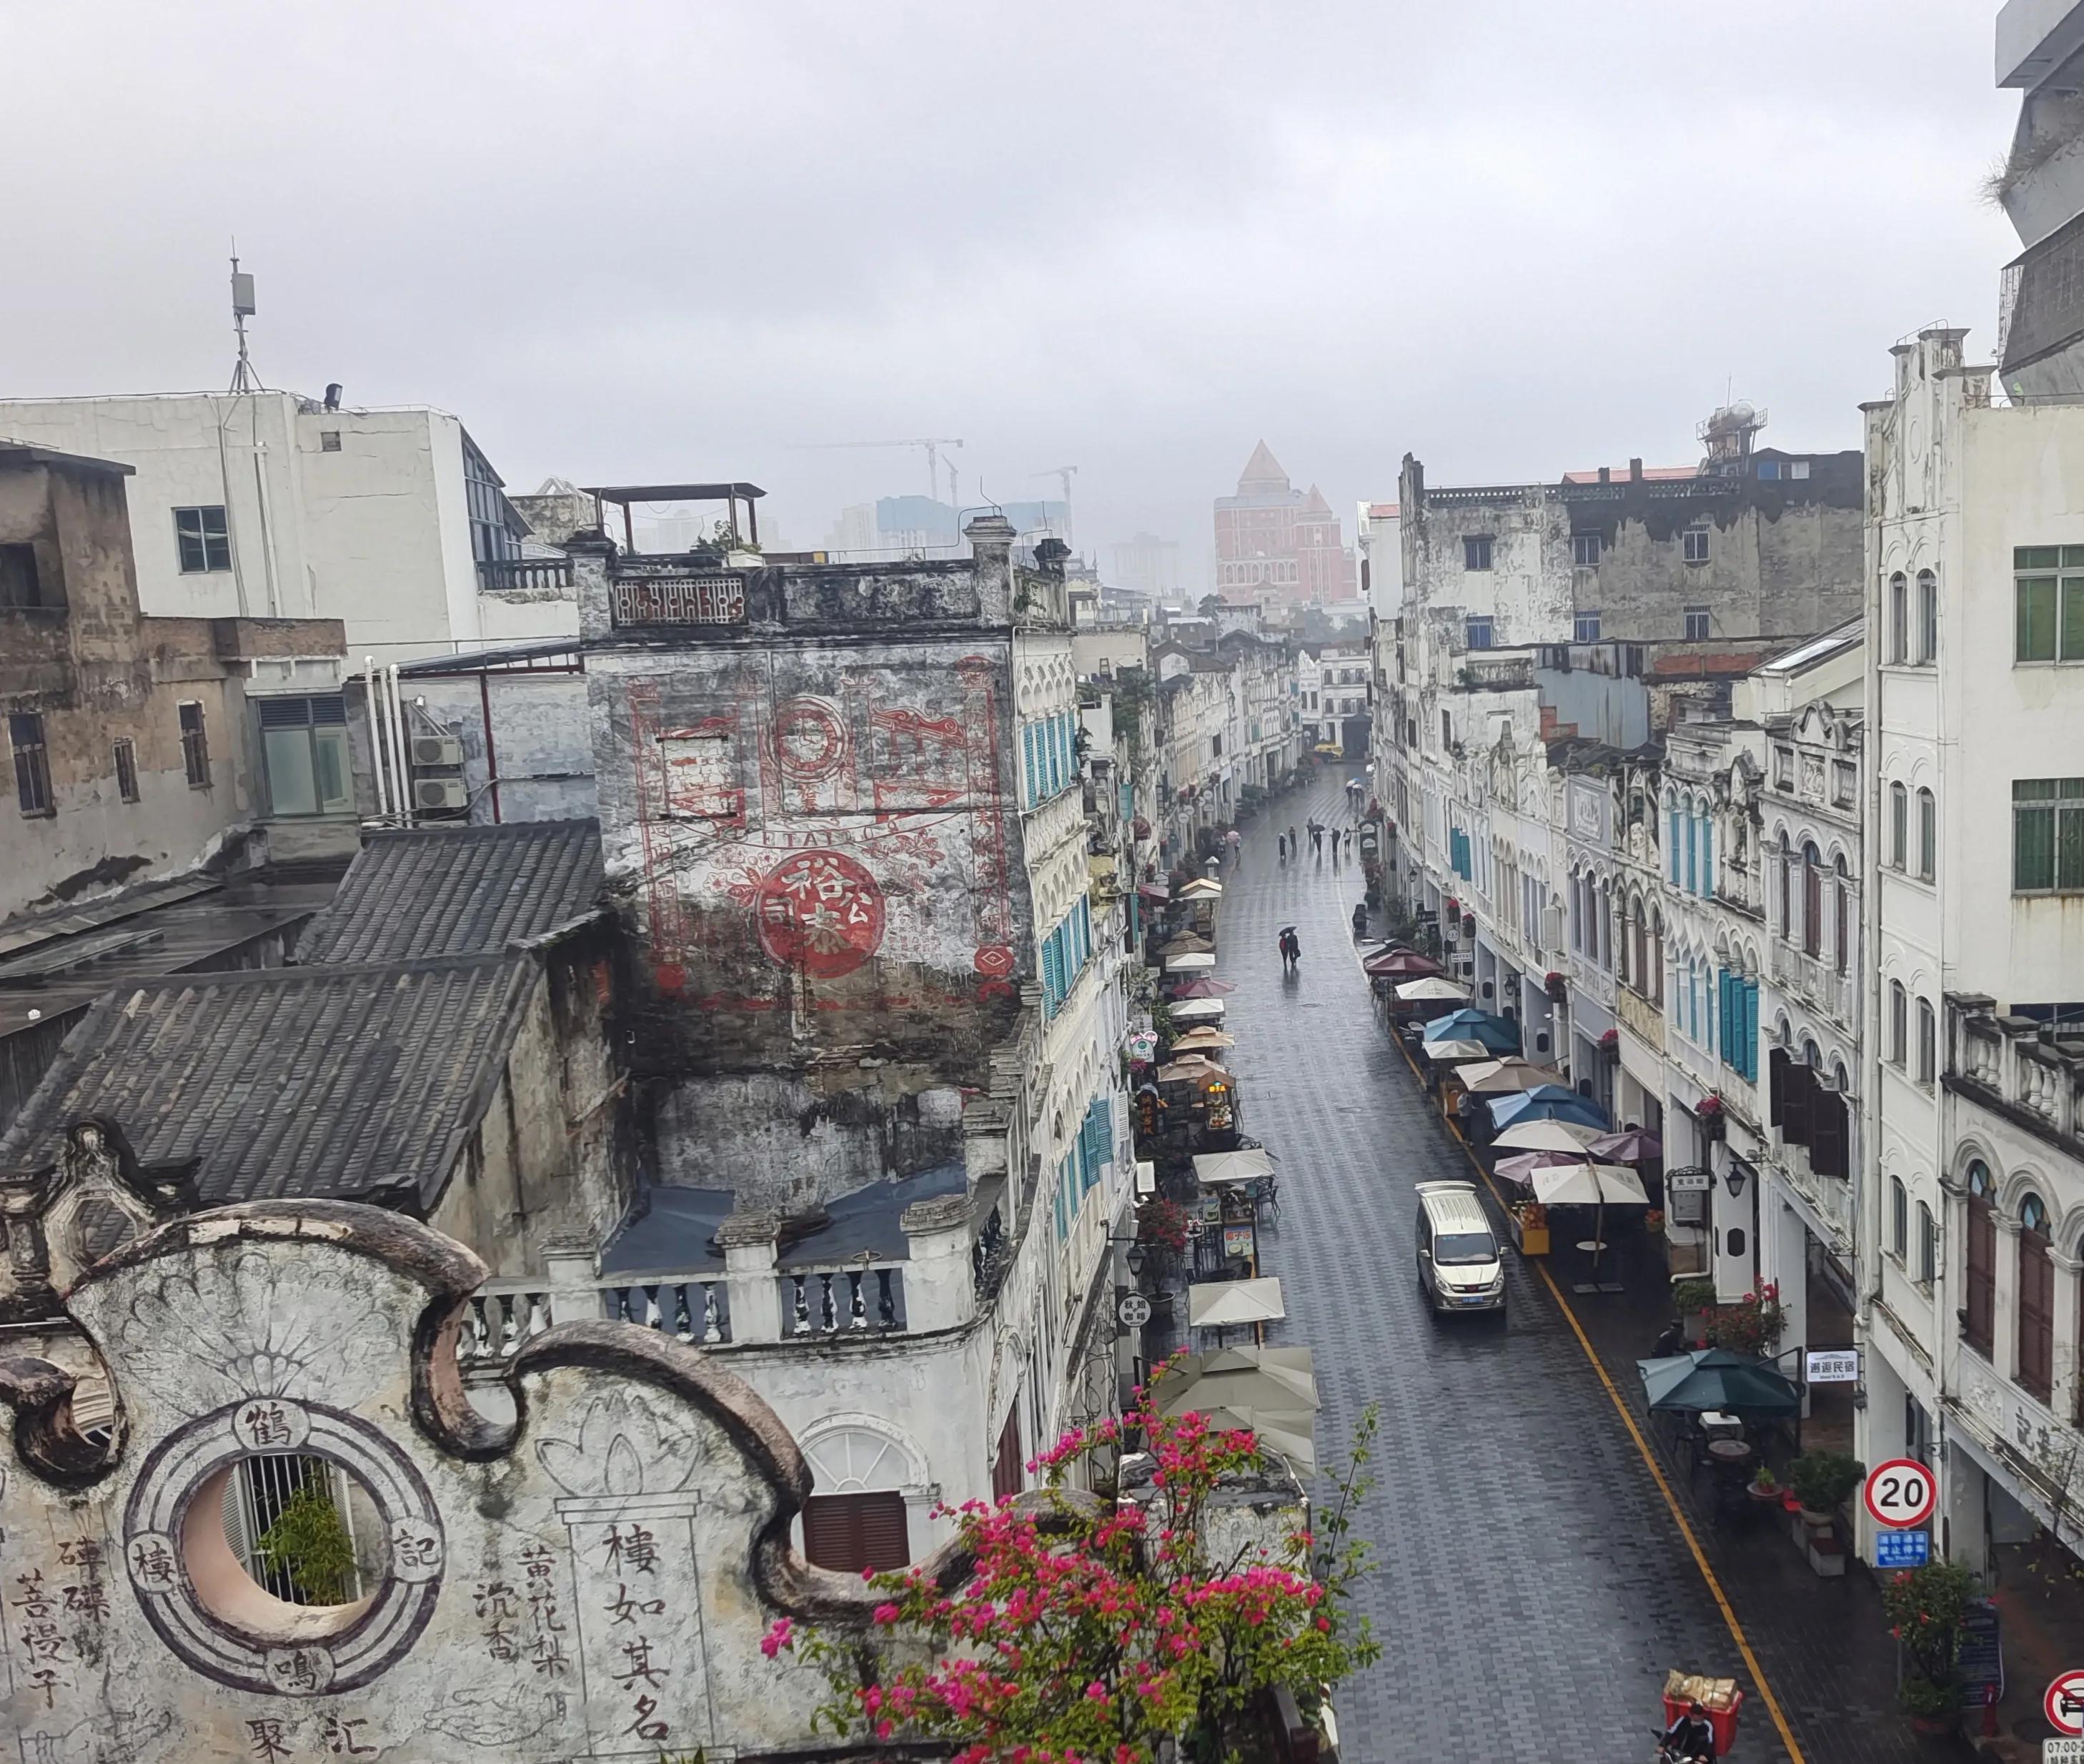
1718 1378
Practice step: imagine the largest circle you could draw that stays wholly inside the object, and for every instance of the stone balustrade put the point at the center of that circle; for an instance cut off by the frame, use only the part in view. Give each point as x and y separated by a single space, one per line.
2015 1064
1816 983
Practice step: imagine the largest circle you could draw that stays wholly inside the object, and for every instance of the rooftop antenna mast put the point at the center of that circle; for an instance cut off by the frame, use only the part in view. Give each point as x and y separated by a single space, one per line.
243 378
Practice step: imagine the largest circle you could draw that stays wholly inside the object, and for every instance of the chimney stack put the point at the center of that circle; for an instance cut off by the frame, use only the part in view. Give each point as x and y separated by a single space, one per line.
1606 474
1635 471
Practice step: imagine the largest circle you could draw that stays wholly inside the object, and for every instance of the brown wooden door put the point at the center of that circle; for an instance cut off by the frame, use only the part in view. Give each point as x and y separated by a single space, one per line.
1006 1469
2036 1315
854 1532
1978 1325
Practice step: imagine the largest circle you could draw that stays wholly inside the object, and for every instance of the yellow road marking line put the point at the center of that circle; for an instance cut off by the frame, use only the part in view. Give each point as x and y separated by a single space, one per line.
1635 1433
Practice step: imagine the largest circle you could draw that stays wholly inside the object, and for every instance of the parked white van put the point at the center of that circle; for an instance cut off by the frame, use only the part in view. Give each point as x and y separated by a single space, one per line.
1460 1267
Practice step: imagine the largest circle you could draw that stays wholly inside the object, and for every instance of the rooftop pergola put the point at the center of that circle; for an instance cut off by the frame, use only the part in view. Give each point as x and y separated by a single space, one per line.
626 495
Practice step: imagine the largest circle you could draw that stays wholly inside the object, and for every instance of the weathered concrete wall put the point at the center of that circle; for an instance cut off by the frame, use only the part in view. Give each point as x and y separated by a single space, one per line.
591 1582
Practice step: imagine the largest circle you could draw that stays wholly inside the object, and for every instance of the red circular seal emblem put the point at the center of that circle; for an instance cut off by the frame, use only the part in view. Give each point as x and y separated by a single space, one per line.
822 912
994 961
809 740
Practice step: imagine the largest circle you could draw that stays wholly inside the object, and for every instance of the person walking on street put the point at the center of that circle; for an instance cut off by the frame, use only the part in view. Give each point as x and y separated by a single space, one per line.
1291 950
1280 845
1231 841
1294 847
1349 841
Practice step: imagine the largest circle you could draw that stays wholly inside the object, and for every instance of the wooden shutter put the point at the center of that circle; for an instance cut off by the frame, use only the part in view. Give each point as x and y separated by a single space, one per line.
1776 1075
1005 1466
2036 1319
1797 1095
1826 1133
1977 1325
854 1532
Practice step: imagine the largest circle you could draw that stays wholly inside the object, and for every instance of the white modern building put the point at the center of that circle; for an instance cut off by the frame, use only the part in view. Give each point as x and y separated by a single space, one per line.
273 505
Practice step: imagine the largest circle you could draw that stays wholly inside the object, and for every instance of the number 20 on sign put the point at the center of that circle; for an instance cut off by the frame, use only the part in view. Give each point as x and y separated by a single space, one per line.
1901 1492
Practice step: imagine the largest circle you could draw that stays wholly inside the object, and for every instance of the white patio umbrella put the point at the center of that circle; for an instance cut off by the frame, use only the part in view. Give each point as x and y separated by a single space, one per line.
1211 1168
1430 988
1198 1010
1193 961
1282 1378
1548 1136
1451 1052
1588 1185
1215 1304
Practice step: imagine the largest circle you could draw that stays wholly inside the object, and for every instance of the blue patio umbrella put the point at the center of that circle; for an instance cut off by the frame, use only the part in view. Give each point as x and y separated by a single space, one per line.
1496 1032
1550 1102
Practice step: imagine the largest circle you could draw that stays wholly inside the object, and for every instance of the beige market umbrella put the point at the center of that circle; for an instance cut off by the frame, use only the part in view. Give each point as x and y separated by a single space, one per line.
1291 1434
1193 961
1450 1053
1217 1304
1432 989
1588 1185
1186 944
1193 1069
1212 1168
1280 1378
1195 1041
1498 1078
1548 1136
1200 885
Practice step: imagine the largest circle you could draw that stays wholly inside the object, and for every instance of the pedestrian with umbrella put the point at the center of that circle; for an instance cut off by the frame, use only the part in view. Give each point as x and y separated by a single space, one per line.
1291 949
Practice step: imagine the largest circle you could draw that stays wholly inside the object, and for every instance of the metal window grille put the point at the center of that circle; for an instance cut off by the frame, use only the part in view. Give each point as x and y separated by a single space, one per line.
254 1494
33 764
195 746
126 771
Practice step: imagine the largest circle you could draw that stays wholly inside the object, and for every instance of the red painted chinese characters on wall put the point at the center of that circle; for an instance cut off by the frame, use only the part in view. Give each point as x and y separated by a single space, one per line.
822 912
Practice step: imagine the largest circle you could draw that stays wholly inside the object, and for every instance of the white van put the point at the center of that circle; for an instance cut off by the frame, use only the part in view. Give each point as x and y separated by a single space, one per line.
1460 1267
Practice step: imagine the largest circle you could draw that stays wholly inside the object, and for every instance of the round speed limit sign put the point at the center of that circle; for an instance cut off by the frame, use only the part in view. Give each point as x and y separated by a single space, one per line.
1901 1492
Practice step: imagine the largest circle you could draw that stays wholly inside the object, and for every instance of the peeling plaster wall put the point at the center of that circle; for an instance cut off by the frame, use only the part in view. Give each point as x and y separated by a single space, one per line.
637 1516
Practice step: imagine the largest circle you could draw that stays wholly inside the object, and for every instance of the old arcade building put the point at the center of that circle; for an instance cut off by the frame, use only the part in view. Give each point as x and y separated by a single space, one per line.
872 1038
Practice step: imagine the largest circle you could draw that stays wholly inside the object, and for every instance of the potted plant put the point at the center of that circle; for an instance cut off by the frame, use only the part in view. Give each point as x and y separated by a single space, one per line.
1694 1300
1764 1486
1751 1325
1927 1609
1825 1481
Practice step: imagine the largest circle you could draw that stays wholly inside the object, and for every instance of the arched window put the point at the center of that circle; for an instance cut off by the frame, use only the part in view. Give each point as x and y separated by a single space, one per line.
1606 925
1899 631
1707 850
1784 864
1812 901
1928 617
1898 1220
1928 1042
1656 969
1693 851
1898 1024
1672 859
1812 1055
1842 947
1979 1314
1928 1246
2036 1301
1898 827
1928 835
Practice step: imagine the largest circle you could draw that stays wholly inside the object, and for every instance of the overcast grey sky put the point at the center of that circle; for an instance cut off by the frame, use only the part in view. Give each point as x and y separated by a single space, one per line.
650 240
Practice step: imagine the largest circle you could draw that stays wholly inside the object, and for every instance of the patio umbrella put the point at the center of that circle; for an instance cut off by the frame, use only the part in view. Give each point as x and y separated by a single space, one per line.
1545 1136
1400 965
1501 1078
1202 887
1448 1053
1192 1069
1589 1184
1472 1025
1194 1041
1431 989
1718 1379
1550 1102
1215 1304
1186 944
1203 988
1198 1010
1194 961
1277 1378
1212 1168
1633 1146
1285 1433
1155 891
1518 1169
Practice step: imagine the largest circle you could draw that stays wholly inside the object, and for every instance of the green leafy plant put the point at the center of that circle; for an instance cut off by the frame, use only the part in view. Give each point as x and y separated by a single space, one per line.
1765 1482
1825 1481
1751 1325
1927 1609
1690 1295
1918 1696
309 1543
1083 1630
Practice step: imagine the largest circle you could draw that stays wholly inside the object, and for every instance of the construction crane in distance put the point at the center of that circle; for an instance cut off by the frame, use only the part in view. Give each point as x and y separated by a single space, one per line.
1063 474
932 443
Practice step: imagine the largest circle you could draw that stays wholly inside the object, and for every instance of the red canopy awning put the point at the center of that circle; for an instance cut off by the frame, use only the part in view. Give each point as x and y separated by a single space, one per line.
1401 965
1155 891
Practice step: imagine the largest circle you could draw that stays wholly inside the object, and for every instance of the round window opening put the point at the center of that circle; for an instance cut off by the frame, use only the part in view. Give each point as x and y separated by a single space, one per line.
284 1546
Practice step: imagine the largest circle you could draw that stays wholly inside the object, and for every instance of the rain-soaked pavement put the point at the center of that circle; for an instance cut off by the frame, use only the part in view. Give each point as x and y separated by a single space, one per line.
1531 1586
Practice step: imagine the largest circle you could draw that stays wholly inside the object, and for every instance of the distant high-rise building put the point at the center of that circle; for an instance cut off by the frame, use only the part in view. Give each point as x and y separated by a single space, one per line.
919 526
1148 565
1275 542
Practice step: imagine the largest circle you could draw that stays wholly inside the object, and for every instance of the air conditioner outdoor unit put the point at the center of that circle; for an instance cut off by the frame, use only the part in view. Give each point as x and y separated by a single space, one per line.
436 750
439 793
1552 927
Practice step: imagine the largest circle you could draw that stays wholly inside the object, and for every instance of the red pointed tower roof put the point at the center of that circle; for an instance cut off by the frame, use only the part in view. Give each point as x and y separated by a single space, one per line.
1262 473
1314 503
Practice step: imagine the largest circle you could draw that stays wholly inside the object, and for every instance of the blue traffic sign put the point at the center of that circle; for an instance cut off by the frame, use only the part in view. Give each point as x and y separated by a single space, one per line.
1902 1549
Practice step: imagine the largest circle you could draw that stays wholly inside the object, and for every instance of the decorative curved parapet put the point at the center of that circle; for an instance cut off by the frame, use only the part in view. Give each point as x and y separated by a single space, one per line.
591 1580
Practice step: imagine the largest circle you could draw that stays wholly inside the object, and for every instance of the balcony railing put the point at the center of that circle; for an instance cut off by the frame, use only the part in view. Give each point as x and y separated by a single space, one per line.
1495 672
1639 1015
855 1298
525 576
1816 983
2007 1061
504 1315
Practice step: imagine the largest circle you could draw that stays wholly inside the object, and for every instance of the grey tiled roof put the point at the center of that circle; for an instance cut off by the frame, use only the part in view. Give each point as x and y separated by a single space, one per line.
342 1082
458 891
